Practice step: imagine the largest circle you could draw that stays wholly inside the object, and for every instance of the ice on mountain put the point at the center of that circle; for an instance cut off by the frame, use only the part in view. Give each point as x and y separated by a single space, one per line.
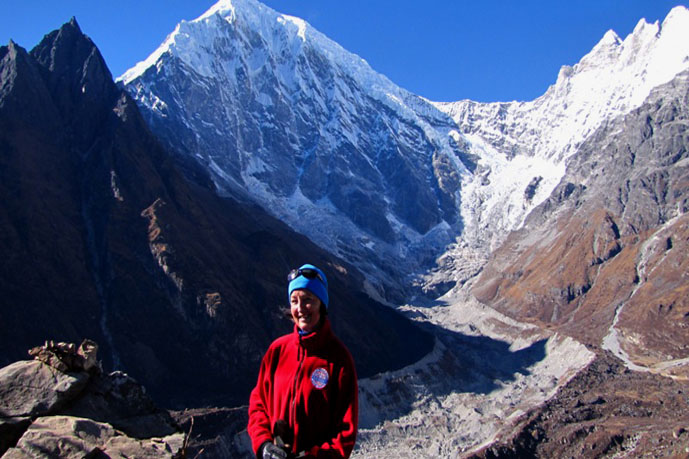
294 101
614 78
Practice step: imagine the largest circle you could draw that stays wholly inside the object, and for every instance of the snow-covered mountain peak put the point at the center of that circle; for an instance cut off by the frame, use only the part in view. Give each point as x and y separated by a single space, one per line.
609 39
615 77
253 13
605 51
283 34
282 115
678 16
224 8
623 72
258 17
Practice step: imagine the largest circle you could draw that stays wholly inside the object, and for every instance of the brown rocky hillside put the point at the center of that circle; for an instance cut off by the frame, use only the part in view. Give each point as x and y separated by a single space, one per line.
610 244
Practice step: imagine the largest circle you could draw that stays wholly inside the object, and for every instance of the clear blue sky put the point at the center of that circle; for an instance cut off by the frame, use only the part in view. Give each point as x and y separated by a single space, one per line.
445 50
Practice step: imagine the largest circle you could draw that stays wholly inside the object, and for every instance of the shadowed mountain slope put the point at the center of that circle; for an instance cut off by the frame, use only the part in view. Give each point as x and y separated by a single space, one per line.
279 114
104 238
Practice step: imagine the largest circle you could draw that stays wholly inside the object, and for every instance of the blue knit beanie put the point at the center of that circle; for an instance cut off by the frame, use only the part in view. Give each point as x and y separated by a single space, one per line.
317 286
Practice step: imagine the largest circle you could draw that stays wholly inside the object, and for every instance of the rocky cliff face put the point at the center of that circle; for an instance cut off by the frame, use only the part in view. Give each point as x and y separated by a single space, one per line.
105 238
285 117
604 256
605 411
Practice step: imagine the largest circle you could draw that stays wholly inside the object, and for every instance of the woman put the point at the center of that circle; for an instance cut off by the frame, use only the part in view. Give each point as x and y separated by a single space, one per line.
305 403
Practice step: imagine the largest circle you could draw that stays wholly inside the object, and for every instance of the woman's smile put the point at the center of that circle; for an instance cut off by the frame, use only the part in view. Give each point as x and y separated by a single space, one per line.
305 308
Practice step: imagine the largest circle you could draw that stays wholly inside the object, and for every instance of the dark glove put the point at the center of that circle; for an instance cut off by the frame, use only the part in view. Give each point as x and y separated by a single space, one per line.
270 451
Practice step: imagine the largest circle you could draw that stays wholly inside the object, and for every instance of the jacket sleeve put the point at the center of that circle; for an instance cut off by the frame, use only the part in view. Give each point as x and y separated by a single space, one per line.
259 420
346 414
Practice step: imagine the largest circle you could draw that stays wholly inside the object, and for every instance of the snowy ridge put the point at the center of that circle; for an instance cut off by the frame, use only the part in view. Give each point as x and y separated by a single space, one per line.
184 42
282 114
521 141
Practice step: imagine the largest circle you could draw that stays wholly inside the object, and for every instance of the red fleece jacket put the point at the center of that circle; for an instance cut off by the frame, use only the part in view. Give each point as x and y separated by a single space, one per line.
309 382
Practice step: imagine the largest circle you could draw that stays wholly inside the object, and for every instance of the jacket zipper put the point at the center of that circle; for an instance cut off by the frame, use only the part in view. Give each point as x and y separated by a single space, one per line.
293 403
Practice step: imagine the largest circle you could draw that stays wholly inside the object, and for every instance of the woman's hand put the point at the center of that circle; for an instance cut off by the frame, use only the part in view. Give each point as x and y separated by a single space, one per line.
270 451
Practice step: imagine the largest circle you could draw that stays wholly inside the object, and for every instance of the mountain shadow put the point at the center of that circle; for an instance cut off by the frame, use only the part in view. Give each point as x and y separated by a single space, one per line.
460 364
104 237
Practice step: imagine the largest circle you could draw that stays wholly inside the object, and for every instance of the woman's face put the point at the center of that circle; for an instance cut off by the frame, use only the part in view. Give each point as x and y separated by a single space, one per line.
306 309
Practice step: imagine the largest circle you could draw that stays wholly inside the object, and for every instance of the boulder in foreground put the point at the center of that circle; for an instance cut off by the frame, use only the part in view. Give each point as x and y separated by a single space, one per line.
62 405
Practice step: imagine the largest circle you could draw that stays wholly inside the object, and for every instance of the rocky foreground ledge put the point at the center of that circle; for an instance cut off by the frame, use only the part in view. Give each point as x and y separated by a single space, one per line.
62 405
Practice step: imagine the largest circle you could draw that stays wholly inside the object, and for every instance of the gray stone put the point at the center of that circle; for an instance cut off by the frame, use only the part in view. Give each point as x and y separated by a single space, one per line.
32 388
159 447
71 437
123 403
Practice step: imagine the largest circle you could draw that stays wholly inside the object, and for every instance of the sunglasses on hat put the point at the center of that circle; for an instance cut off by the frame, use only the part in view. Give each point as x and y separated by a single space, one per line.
306 272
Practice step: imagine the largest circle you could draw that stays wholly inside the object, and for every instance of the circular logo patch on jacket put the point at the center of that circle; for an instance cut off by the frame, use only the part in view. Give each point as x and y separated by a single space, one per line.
319 378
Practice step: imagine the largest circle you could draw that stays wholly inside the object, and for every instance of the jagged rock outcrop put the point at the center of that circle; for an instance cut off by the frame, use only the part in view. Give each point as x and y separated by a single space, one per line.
66 356
33 387
216 432
62 405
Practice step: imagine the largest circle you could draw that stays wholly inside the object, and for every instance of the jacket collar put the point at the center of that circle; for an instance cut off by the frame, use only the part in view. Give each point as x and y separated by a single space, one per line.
314 340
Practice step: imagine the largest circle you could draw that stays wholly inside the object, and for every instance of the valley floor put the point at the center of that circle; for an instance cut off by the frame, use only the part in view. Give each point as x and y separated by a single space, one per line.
485 372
